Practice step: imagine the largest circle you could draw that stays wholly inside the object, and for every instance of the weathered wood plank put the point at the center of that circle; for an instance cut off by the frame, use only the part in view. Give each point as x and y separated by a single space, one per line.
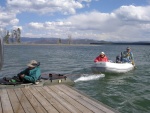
53 101
36 104
49 99
72 101
6 105
24 101
85 100
62 101
80 100
43 101
15 102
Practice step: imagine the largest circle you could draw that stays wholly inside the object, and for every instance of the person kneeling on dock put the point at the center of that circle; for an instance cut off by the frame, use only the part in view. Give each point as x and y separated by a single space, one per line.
30 74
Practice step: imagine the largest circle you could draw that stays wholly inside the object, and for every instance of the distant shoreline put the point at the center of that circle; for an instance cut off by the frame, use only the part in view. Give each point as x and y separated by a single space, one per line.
49 44
91 44
122 43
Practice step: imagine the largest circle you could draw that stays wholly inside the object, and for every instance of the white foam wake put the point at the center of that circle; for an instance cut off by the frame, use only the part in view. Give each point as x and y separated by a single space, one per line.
91 77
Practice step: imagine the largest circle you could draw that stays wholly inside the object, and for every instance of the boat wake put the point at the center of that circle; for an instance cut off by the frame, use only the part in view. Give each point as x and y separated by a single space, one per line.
86 77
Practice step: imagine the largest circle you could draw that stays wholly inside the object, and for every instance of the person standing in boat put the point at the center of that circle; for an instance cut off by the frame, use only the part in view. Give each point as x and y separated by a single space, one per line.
32 73
101 58
127 56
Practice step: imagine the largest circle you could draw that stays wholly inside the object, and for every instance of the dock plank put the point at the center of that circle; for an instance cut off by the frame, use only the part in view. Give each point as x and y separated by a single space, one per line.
43 101
6 105
15 102
24 101
49 99
72 101
36 104
80 100
61 100
53 101
86 101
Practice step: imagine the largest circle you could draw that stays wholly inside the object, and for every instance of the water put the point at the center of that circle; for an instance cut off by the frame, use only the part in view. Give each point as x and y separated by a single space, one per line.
86 77
127 93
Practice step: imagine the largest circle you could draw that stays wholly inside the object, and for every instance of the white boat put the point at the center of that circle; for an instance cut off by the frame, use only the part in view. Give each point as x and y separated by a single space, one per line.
112 67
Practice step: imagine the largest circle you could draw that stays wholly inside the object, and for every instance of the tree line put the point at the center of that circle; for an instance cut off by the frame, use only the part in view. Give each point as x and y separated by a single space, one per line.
13 36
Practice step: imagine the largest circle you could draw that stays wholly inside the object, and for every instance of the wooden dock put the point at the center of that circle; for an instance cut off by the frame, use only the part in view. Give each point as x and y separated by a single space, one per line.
49 99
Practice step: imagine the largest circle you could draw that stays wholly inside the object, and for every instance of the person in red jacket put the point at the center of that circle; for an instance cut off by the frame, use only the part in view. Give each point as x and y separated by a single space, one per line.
101 58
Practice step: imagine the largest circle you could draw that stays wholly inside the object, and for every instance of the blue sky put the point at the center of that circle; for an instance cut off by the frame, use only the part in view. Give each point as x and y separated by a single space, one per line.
117 20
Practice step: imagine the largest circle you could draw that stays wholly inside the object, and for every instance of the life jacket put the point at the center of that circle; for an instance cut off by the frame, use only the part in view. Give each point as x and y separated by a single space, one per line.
101 59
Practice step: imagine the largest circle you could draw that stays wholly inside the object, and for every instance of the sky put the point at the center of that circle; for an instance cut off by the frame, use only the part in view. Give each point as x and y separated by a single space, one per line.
109 20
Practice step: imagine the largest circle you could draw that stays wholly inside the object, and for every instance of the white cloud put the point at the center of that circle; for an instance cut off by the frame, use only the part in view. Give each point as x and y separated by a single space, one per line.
125 23
45 6
50 29
36 25
84 0
14 22
7 18
93 21
16 27
133 13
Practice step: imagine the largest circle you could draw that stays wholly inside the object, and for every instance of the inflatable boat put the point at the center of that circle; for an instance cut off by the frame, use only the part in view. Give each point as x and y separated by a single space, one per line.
112 67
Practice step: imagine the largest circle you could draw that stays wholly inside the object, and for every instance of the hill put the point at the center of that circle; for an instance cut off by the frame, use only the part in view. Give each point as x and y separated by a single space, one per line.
27 40
55 41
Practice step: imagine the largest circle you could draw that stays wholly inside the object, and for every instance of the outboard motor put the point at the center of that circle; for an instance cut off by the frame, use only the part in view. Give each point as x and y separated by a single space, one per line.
118 59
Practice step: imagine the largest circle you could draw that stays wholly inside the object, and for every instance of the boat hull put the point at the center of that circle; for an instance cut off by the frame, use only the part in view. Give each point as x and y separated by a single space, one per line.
112 67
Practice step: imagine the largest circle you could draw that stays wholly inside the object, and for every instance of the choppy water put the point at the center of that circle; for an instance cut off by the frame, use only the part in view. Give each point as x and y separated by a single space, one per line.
127 93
